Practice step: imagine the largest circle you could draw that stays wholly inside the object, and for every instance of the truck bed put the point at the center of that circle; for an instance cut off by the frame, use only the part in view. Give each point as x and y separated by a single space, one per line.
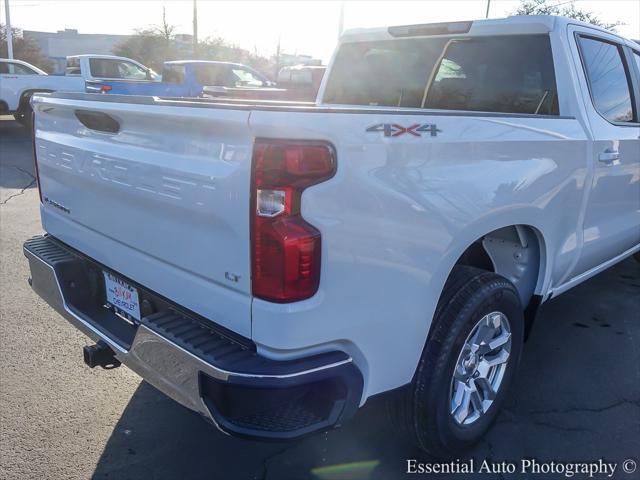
166 203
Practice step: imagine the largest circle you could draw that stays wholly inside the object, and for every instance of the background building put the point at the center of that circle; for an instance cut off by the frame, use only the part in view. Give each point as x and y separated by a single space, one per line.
57 46
287 59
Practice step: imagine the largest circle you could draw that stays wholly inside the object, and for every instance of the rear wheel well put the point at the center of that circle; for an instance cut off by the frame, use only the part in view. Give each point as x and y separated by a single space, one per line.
26 96
516 253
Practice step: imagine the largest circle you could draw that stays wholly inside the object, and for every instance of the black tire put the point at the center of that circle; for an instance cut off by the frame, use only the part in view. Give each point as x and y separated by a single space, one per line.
20 118
24 114
422 410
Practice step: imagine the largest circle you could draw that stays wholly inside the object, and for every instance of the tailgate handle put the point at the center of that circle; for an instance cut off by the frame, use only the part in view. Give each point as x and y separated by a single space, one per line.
98 121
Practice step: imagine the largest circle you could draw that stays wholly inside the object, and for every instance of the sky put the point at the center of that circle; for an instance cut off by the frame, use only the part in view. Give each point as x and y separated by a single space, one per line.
303 27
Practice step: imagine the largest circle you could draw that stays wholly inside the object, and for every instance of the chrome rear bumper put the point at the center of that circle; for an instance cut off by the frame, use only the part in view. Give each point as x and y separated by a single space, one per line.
193 361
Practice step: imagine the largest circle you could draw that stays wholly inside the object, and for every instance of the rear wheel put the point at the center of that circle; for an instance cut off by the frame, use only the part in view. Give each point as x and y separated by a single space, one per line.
24 114
467 364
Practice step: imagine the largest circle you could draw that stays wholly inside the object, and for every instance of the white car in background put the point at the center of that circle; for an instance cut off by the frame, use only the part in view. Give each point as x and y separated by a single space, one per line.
20 80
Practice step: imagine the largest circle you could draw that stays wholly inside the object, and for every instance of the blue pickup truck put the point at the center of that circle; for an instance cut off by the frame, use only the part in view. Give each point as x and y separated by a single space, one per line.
185 78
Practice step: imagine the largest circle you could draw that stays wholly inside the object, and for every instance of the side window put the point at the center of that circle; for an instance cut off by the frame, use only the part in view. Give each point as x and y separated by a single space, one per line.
245 78
108 68
212 74
15 69
131 71
22 70
173 74
103 68
636 56
496 74
607 78
73 66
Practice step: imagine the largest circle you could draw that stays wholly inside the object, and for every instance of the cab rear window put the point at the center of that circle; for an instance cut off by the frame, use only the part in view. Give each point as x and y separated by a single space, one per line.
506 74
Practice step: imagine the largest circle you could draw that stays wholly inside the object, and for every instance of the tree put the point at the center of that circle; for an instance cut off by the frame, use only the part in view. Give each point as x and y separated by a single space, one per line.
157 44
151 46
24 49
216 48
148 47
166 30
565 9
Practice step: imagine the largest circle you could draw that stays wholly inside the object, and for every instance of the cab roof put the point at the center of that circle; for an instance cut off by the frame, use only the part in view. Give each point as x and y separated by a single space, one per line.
517 24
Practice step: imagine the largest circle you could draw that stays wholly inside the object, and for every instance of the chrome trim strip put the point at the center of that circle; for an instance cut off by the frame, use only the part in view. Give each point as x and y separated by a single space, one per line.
63 98
288 375
594 271
223 374
63 305
164 364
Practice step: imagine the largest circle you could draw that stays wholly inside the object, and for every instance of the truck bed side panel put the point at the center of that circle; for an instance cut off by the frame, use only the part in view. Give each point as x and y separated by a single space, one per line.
401 210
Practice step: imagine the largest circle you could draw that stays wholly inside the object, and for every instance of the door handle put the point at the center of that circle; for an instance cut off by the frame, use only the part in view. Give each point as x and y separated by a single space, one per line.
609 156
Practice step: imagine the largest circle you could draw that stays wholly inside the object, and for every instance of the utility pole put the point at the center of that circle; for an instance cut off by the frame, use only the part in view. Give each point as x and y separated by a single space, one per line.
195 29
9 32
488 5
277 59
341 20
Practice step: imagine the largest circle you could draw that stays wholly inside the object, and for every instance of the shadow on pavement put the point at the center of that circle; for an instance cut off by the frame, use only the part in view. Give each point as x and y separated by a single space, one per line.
16 168
576 398
157 438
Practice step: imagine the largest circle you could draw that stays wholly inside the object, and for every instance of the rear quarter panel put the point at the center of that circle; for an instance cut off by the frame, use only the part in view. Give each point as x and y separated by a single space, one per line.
402 209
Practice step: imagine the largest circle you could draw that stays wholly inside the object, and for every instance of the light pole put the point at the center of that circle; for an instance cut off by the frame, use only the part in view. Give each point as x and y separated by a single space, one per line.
488 5
195 29
8 31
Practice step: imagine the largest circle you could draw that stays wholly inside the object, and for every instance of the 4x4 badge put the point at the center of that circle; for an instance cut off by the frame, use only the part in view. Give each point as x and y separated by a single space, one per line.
395 130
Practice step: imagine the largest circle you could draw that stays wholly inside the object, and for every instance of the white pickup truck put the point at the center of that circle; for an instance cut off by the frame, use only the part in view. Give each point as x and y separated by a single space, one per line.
20 80
272 266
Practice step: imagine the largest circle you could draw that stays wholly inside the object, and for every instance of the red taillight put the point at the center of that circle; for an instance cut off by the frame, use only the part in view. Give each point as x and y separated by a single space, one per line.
35 154
286 248
105 88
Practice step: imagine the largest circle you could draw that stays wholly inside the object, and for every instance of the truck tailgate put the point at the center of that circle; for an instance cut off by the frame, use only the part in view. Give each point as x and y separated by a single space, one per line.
163 201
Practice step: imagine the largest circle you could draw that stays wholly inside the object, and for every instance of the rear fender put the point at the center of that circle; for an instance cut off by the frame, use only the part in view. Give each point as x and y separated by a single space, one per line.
482 227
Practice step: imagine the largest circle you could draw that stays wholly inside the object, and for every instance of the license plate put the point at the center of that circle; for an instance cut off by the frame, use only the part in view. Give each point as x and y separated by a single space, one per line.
122 296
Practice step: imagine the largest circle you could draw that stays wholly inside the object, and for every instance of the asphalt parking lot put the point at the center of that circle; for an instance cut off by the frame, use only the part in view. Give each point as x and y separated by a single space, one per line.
577 396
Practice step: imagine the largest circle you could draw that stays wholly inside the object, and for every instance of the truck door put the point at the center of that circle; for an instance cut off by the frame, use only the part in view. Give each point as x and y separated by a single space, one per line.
607 76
